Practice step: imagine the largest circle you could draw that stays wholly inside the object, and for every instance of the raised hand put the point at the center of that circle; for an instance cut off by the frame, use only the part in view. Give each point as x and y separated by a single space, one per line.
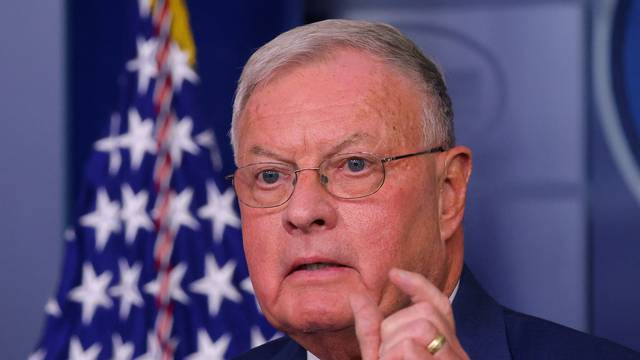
423 330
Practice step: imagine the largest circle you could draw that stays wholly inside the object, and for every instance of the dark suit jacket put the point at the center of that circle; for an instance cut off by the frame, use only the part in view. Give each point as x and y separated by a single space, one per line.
489 331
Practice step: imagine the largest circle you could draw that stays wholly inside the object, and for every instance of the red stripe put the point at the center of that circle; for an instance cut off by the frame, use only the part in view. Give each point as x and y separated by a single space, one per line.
162 173
162 99
163 54
160 15
162 96
163 330
162 210
164 288
165 325
163 250
165 126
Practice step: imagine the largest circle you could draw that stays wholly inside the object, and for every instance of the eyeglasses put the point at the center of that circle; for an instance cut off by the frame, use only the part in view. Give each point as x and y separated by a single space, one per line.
345 176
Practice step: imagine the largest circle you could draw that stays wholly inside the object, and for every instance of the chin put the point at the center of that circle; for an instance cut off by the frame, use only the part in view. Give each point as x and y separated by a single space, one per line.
303 315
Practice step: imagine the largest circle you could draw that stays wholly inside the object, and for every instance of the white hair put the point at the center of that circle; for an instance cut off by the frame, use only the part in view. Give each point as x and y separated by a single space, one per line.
313 41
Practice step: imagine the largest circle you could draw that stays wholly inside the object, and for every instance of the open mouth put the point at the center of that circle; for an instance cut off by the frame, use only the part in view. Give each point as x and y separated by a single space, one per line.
316 266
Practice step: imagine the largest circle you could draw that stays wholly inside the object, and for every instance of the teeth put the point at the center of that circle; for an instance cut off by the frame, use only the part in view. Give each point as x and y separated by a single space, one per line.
315 266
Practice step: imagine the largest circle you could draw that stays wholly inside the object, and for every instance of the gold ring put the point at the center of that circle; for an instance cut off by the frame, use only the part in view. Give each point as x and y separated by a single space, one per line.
436 344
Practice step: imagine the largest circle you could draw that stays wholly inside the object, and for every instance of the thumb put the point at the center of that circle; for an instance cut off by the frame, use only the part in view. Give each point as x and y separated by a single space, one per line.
367 322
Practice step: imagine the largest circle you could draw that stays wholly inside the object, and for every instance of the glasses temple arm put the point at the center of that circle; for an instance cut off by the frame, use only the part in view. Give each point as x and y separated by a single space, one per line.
428 151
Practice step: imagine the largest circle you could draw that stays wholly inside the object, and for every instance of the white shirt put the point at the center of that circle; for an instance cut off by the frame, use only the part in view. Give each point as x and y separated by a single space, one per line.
310 356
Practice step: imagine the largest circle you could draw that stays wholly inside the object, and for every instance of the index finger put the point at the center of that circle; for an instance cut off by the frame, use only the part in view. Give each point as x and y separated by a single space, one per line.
367 318
420 289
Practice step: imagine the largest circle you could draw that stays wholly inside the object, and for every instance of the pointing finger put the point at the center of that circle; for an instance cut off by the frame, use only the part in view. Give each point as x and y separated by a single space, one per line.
367 322
420 289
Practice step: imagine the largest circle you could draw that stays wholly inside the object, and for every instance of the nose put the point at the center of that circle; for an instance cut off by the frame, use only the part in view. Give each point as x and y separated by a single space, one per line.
310 208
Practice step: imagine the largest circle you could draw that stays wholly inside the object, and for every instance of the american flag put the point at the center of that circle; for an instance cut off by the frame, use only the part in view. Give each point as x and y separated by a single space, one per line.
153 265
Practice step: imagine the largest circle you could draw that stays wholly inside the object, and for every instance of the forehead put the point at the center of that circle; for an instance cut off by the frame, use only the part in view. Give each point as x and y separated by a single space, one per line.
347 94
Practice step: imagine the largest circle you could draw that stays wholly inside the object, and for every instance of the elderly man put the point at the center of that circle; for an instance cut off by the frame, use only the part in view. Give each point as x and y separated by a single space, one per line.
352 193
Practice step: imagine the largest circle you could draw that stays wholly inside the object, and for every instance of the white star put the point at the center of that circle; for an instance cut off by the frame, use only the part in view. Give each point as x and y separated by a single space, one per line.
69 234
208 349
179 213
121 350
110 144
219 210
76 352
134 214
207 139
174 290
144 6
153 348
180 140
154 351
256 337
247 286
37 355
138 139
178 63
127 289
216 284
104 219
52 308
145 63
92 292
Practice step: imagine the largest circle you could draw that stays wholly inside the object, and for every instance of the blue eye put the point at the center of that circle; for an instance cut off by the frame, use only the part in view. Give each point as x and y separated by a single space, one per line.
356 164
269 176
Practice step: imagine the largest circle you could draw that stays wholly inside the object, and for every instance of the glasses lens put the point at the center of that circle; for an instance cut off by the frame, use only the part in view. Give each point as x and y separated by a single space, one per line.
353 175
264 184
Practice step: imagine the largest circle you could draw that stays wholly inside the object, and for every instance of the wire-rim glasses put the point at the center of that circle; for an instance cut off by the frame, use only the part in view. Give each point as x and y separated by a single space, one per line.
345 176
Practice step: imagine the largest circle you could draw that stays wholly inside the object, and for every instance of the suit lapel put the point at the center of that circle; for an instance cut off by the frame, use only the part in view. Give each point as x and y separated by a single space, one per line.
479 321
291 351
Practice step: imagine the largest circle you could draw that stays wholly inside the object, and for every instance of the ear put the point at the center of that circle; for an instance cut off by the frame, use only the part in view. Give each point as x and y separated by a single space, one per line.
455 171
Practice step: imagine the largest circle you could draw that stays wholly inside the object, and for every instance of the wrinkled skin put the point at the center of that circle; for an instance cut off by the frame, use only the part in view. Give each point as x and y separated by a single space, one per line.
347 102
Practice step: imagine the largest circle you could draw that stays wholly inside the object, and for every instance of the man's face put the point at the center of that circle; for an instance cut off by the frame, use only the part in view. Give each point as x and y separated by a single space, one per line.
349 102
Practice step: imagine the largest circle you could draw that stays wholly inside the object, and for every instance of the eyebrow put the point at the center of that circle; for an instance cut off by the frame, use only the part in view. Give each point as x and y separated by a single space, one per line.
260 151
352 139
